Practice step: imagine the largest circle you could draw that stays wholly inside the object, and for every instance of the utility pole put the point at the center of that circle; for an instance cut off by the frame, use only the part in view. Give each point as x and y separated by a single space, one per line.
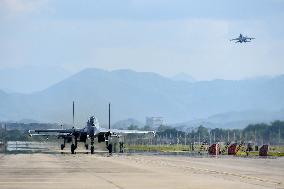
177 139
210 137
279 136
228 135
255 137
167 138
4 138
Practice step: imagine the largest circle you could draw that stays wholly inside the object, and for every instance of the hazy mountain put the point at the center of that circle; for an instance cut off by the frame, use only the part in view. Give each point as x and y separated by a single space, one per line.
233 119
124 124
139 94
183 77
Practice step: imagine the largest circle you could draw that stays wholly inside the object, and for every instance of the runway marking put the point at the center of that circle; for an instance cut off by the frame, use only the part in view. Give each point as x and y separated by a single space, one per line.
110 182
228 173
210 171
234 174
30 182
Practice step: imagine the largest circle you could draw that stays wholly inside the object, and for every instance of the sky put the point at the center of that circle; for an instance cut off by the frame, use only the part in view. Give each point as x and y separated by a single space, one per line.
162 36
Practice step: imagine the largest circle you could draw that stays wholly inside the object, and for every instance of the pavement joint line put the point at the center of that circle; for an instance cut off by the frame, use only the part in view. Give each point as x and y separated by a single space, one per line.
110 182
217 172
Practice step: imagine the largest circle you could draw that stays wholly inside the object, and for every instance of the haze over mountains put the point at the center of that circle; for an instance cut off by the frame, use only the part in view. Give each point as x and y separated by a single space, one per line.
223 103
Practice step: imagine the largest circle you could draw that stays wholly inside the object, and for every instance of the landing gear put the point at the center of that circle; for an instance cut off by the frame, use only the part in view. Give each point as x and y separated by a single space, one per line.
92 149
121 147
109 147
73 148
63 145
108 144
86 146
92 145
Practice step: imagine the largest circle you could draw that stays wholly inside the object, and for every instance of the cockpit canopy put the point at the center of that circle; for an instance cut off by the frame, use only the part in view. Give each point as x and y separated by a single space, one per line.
93 121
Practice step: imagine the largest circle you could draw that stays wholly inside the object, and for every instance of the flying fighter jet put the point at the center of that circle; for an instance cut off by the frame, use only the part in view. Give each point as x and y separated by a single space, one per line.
242 39
91 131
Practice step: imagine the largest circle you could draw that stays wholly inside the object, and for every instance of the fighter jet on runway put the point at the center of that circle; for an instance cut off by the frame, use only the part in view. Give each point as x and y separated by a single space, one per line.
242 39
91 131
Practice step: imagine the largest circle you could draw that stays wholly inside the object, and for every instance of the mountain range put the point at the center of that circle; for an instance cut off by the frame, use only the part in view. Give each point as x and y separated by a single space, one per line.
139 94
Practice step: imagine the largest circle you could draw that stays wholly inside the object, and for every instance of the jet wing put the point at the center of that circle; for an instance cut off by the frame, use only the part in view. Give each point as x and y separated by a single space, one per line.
234 39
118 131
48 132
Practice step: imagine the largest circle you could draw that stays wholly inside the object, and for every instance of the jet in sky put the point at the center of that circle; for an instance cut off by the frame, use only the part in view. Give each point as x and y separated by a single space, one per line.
242 39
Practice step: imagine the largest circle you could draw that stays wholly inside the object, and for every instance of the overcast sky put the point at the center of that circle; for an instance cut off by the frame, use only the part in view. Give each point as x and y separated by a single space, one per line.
162 36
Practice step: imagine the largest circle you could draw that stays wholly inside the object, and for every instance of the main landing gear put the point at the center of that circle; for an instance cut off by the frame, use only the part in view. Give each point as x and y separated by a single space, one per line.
63 145
108 145
92 145
86 146
74 146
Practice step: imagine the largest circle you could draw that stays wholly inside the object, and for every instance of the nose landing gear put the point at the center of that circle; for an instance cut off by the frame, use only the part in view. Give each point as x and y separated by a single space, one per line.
92 149
92 145
73 148
109 147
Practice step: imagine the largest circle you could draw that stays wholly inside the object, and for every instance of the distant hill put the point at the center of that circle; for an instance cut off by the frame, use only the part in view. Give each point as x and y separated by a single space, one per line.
140 94
183 77
235 120
124 124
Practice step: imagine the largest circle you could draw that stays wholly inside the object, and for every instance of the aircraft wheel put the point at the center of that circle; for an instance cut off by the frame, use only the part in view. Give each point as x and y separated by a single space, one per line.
62 146
86 146
72 148
109 147
92 149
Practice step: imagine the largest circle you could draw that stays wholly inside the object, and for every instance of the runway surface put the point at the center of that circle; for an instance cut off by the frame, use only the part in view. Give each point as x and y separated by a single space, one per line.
39 170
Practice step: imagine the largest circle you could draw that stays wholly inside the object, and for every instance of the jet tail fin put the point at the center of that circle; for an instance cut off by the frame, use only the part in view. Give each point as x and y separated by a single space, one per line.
109 116
73 113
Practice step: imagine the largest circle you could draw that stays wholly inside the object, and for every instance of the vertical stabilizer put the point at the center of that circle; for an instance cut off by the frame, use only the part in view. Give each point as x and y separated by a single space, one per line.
73 113
109 116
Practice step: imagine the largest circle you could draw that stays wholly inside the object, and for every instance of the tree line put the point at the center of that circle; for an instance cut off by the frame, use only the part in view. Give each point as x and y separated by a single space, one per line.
260 133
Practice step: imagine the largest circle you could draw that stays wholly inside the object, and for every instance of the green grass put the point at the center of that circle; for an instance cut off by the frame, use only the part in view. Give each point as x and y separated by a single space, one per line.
276 151
158 148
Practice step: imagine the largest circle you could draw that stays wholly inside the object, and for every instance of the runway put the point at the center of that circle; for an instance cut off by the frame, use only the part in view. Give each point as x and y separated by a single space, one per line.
40 170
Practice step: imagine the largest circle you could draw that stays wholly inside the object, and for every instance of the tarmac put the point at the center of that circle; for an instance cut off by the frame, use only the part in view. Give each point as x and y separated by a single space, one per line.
131 171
